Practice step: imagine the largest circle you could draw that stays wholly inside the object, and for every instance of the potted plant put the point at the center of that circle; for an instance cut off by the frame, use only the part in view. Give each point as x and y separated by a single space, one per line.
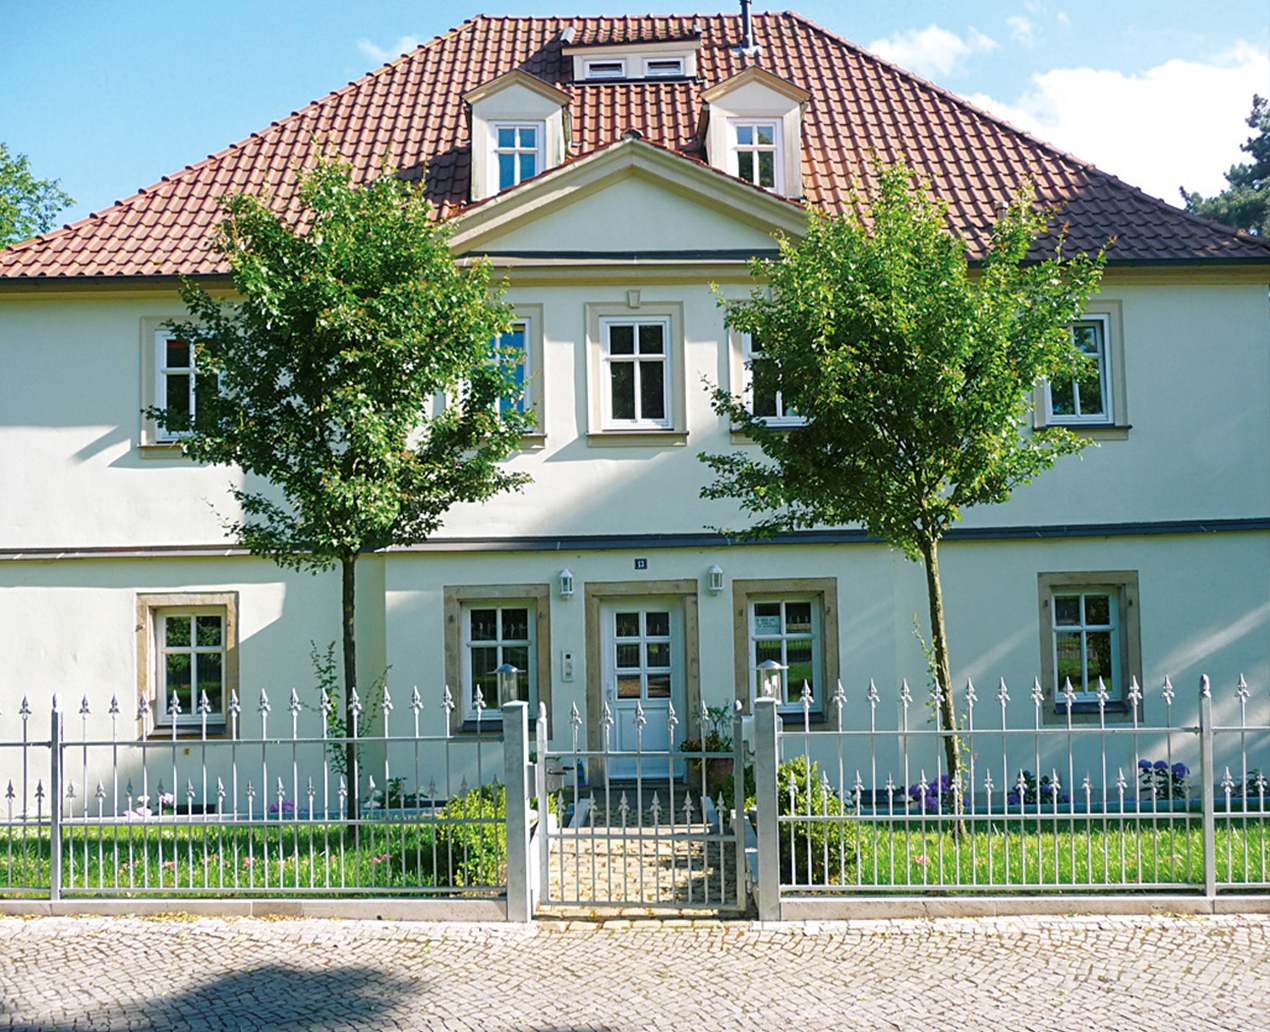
713 749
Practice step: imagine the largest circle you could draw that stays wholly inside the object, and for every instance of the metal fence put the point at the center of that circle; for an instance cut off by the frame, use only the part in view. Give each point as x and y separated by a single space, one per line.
277 808
644 827
1111 805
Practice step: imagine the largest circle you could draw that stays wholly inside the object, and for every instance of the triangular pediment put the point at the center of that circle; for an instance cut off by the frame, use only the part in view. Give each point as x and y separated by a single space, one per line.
630 196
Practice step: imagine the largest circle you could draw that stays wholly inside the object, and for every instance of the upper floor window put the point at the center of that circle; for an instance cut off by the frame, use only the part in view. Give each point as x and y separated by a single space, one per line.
1085 397
766 402
514 353
756 152
518 152
178 387
606 69
637 373
663 67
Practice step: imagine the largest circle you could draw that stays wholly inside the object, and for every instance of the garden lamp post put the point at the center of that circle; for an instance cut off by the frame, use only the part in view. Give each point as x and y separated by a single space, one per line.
769 680
508 684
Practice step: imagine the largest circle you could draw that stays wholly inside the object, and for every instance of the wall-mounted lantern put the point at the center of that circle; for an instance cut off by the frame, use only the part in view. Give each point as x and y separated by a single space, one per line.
566 583
715 582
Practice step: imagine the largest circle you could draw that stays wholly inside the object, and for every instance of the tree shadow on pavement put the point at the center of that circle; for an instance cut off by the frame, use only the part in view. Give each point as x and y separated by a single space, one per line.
269 997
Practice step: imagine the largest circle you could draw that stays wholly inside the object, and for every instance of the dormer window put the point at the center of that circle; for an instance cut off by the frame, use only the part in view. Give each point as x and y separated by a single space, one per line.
518 152
606 69
664 68
757 153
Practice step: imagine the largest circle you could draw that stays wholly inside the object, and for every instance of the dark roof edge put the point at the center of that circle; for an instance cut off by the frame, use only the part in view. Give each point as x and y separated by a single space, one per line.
122 281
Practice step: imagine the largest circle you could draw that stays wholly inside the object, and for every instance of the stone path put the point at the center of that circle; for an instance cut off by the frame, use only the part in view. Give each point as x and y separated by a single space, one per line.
1028 974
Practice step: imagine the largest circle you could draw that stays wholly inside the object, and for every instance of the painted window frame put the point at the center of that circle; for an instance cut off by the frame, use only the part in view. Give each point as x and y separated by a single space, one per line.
590 66
458 601
777 150
1114 422
540 151
151 608
491 703
1126 642
678 74
782 418
603 430
822 592
638 360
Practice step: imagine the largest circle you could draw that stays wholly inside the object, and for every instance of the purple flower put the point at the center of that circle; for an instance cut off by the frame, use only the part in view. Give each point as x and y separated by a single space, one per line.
1144 764
1013 798
1161 765
1180 770
1064 798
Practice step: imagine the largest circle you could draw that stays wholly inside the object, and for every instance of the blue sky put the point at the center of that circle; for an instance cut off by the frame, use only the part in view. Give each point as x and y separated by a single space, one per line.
109 97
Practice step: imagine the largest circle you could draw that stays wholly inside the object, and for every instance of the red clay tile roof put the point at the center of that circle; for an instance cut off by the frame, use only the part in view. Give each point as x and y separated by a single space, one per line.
411 110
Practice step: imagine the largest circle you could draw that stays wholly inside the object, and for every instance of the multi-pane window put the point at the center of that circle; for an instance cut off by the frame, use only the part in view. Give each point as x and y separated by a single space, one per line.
494 635
1086 643
636 356
787 631
190 644
1085 396
767 401
757 147
513 353
641 640
518 149
179 389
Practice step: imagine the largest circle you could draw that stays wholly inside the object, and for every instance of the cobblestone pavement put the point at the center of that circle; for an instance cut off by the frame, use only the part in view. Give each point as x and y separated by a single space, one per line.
1033 974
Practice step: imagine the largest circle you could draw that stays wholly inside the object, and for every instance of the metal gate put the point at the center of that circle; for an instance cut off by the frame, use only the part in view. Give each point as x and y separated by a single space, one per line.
662 839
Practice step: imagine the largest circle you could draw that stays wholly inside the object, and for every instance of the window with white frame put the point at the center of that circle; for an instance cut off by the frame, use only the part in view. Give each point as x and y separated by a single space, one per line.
495 633
787 630
767 403
612 69
663 67
187 660
1086 396
178 389
1089 630
756 152
637 373
518 150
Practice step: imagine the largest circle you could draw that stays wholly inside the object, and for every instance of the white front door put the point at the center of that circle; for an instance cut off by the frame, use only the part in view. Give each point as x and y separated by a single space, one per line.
643 670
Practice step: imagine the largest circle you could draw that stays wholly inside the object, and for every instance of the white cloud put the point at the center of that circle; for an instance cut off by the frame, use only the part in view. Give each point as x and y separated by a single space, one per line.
1180 123
1021 30
403 45
931 51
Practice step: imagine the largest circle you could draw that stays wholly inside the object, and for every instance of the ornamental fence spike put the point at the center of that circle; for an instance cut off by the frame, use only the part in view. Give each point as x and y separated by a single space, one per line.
1167 693
84 709
1003 693
1038 696
262 706
416 701
1205 687
971 697
1241 689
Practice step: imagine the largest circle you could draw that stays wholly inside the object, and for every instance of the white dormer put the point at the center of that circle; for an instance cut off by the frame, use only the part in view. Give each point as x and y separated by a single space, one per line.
671 59
753 130
520 127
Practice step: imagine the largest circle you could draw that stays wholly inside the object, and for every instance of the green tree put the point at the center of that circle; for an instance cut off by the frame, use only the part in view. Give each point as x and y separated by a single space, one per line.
352 318
914 376
1245 204
27 205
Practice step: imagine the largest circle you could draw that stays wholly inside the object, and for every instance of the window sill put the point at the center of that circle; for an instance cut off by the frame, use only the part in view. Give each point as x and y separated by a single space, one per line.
637 439
793 718
1081 708
187 733
533 442
160 450
1094 431
486 725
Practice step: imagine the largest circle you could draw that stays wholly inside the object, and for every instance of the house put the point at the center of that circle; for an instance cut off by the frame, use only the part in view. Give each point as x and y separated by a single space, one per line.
618 171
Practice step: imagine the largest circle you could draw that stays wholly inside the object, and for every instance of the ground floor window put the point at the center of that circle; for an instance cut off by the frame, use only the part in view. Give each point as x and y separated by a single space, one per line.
1089 632
794 622
187 660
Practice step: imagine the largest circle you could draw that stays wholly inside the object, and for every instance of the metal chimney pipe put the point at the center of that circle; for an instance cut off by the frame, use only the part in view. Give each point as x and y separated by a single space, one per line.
747 29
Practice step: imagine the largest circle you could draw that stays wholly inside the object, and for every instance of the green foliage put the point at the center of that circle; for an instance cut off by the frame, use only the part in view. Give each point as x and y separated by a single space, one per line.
1245 204
717 729
817 845
27 205
471 837
334 715
915 376
353 317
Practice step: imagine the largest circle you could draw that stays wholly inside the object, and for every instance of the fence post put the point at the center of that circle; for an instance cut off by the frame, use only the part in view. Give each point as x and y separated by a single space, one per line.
516 770
765 763
55 802
1207 778
543 879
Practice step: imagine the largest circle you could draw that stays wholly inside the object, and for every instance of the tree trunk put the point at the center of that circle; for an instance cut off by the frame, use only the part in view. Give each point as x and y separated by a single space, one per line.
947 714
348 568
